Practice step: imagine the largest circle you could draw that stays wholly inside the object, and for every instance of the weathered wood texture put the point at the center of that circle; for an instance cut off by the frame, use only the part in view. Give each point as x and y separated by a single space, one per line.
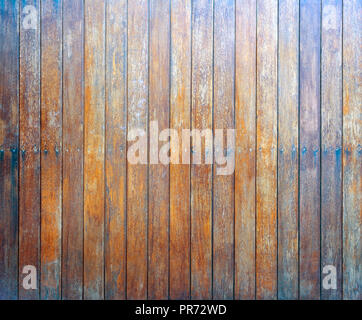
73 129
223 186
201 175
266 153
352 164
94 146
331 142
51 147
115 152
107 203
288 106
245 165
309 160
29 169
137 174
180 115
159 179
9 148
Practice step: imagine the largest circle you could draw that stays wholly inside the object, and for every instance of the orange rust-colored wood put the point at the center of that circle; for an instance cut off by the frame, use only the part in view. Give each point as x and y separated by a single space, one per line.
51 147
94 146
245 165
288 105
201 175
29 164
137 175
180 115
223 185
73 130
83 83
266 150
159 179
116 152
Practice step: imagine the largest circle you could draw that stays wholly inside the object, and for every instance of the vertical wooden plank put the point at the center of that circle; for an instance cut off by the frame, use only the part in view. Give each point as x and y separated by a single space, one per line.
331 143
94 144
201 174
266 179
159 179
9 148
309 210
352 164
223 188
116 123
180 103
288 104
73 99
51 146
245 113
137 177
29 176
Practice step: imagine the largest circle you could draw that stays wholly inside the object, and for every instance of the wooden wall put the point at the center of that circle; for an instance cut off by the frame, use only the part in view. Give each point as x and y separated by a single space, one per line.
79 74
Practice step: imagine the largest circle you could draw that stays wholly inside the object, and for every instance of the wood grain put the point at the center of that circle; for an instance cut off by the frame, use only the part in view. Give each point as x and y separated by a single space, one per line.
51 146
201 174
223 187
266 157
180 115
77 78
137 174
94 145
309 161
115 161
245 166
9 148
352 165
331 143
73 131
288 105
159 178
29 172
